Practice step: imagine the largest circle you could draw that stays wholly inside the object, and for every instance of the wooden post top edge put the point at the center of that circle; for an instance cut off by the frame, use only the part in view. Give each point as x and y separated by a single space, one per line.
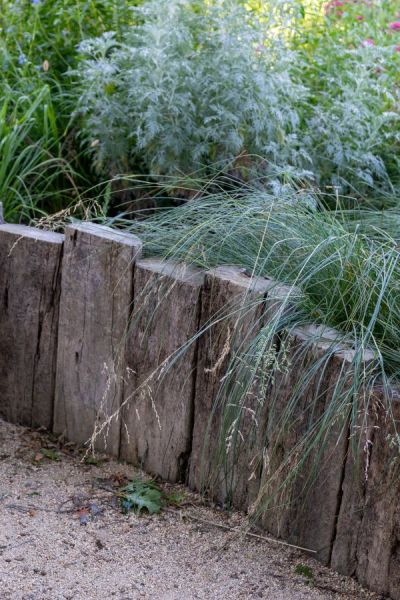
326 337
25 231
239 276
105 232
391 391
174 269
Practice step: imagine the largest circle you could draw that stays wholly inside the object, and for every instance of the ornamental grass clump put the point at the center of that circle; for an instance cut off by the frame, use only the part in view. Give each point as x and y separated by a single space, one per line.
33 176
341 288
348 281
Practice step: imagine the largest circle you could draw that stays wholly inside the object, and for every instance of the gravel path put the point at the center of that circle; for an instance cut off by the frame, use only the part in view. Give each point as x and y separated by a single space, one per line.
46 554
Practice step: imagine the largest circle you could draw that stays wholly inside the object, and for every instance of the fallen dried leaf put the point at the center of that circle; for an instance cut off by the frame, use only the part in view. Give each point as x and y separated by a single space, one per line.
83 515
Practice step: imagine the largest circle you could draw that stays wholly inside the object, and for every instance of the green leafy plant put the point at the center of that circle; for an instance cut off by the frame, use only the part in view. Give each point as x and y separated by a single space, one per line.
50 454
38 38
142 494
33 176
293 88
41 167
351 66
304 571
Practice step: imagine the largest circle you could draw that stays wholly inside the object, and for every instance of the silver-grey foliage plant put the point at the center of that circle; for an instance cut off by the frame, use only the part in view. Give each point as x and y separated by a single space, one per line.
202 83
188 87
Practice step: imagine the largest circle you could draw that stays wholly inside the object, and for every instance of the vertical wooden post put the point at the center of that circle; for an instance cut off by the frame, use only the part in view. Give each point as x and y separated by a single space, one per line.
231 316
96 295
302 509
157 418
29 294
367 541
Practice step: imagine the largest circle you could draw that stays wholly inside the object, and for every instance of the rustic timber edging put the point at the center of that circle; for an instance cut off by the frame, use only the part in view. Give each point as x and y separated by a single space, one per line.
72 358
30 268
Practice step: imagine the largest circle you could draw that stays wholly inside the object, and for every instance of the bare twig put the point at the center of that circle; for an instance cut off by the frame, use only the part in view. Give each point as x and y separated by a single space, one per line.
28 509
239 530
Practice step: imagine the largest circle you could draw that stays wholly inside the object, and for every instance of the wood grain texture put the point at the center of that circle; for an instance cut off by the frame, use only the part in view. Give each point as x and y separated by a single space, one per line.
96 297
242 433
30 262
367 542
157 418
232 303
305 511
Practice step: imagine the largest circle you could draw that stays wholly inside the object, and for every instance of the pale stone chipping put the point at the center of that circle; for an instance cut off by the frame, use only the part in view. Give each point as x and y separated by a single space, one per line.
96 297
29 291
182 554
157 418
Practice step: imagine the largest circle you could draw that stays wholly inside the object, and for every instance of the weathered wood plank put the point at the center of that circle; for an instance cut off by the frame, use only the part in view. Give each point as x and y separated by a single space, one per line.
242 432
96 297
29 286
233 304
304 511
367 542
157 418
344 550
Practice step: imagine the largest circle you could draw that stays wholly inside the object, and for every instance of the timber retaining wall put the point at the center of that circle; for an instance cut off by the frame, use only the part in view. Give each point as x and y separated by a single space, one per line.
74 360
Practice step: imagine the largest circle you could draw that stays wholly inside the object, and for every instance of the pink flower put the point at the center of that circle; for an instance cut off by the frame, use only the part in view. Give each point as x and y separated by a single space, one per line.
397 48
367 42
333 4
360 18
395 25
